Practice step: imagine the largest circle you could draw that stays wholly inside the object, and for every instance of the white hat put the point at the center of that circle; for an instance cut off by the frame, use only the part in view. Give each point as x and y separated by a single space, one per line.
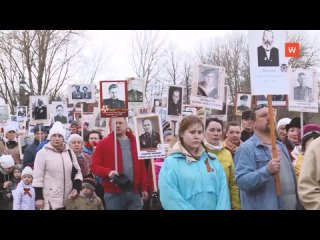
57 128
6 161
8 129
74 136
283 121
27 171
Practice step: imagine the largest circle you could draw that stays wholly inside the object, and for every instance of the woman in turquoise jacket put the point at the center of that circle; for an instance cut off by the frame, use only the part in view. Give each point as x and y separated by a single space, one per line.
191 178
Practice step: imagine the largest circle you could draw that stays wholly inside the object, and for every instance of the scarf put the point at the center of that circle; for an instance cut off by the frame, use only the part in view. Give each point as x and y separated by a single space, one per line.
213 147
231 146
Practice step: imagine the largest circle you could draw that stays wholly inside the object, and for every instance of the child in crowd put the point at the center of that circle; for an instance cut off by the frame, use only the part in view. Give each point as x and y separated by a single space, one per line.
24 194
14 180
87 199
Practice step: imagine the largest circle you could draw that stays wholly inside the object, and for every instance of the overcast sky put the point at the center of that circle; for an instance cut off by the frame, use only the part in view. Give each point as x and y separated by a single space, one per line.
117 44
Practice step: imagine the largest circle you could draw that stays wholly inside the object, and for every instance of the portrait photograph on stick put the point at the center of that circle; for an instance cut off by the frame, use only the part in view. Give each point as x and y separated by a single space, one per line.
113 99
149 136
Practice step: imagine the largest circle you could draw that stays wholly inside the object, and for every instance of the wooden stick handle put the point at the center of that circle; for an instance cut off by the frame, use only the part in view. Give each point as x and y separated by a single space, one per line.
154 180
273 139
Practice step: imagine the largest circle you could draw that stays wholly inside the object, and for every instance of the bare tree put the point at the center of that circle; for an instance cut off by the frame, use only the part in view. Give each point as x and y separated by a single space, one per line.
309 52
40 57
147 55
231 53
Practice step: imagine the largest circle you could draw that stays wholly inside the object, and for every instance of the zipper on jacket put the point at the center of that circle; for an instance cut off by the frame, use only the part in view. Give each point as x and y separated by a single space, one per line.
64 181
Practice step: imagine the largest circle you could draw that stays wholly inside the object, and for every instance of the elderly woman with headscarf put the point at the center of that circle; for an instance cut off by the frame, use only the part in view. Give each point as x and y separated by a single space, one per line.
52 172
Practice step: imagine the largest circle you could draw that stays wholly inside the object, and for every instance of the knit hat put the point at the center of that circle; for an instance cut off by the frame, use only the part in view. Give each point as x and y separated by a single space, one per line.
309 129
165 125
295 122
8 129
57 128
18 166
283 121
90 183
6 161
74 136
27 171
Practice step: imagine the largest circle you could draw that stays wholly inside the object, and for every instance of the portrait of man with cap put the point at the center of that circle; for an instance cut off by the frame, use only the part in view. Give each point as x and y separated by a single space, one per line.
243 103
208 83
113 102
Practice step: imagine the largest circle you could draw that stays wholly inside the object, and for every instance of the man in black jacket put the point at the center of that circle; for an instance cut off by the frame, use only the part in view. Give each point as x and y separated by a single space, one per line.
31 150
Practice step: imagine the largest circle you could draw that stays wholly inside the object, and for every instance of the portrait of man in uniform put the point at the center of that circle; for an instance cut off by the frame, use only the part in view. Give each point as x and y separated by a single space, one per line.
150 139
86 94
303 92
134 94
208 83
113 102
77 94
59 115
243 106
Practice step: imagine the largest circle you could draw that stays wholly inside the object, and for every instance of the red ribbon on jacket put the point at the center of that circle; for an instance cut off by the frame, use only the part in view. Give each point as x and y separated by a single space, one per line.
27 192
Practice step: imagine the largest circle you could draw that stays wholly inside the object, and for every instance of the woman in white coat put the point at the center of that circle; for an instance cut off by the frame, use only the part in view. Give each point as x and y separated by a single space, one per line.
52 172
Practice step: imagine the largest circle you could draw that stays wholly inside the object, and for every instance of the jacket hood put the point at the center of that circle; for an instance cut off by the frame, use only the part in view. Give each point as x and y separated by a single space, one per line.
178 148
49 146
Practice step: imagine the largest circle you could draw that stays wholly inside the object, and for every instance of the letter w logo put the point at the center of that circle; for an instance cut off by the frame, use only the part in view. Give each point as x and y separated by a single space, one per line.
292 50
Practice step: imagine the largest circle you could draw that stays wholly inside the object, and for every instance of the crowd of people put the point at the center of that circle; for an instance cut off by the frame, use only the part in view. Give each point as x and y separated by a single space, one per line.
209 165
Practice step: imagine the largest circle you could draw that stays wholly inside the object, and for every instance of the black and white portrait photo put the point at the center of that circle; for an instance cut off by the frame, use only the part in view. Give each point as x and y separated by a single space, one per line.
24 142
136 90
39 107
243 103
208 85
60 112
304 90
81 93
113 98
21 113
268 54
174 101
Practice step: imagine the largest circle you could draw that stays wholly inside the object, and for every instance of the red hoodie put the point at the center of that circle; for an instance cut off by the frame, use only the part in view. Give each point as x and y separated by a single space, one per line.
103 164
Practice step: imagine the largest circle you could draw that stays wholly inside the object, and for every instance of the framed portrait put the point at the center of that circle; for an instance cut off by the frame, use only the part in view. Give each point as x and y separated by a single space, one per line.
175 99
60 112
40 108
158 103
208 86
113 99
149 137
243 103
22 113
304 90
136 89
277 100
81 93
24 142
268 64
4 114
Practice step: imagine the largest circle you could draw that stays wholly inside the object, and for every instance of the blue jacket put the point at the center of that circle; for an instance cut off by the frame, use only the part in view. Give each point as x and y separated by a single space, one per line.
257 186
30 154
188 185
